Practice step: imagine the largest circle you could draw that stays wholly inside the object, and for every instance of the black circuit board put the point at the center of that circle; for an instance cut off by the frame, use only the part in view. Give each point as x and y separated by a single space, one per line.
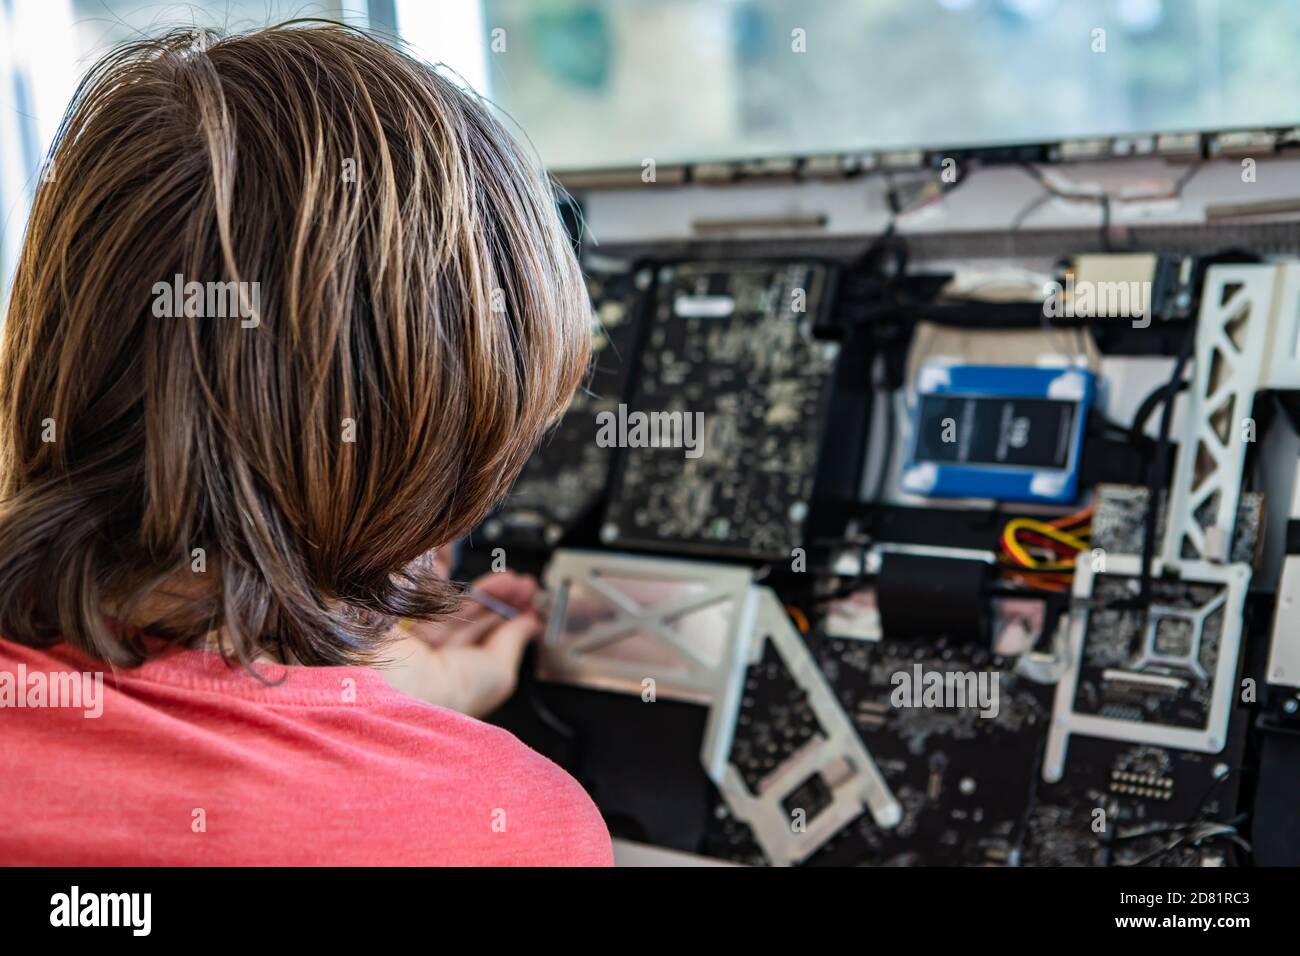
734 342
1151 668
971 788
774 722
964 782
1119 522
1122 804
568 474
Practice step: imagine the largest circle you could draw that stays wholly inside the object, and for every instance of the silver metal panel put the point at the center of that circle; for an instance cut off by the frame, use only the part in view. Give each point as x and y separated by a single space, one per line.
1284 644
1231 338
1284 342
838 755
1284 650
1235 579
599 599
583 658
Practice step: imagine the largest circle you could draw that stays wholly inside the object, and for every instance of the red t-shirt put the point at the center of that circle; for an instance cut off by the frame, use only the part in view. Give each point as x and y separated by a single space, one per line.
185 761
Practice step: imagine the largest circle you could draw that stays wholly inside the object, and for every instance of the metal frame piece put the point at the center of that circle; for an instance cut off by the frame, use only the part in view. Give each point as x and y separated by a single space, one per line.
1234 579
564 659
837 754
1284 648
1233 331
1284 329
754 616
1284 374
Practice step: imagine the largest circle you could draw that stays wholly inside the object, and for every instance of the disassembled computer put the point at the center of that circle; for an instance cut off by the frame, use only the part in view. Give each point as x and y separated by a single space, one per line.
1001 572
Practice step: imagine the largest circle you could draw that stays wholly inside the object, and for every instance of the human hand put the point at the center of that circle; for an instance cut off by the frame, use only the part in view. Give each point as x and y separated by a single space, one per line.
469 661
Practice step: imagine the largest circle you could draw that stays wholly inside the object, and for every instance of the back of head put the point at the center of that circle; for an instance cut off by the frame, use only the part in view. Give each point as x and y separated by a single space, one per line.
292 311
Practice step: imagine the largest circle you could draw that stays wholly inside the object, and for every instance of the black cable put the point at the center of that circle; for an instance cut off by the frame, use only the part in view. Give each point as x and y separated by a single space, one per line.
1194 841
1103 199
548 717
1051 189
887 449
1106 244
1214 785
1167 395
1160 468
530 690
884 263
1028 209
1031 802
1108 430
1137 430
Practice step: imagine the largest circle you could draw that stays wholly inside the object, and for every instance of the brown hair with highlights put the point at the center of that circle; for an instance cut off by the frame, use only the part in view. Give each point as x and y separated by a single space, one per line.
421 319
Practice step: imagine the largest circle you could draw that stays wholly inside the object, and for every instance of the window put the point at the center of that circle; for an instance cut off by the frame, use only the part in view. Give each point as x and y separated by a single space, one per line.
614 83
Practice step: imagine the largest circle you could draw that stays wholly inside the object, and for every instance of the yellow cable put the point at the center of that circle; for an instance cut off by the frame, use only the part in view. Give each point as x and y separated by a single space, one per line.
1015 549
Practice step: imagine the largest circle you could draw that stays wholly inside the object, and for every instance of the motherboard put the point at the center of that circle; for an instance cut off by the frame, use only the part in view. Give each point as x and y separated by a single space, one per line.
963 781
971 787
1156 667
1102 725
731 344
566 477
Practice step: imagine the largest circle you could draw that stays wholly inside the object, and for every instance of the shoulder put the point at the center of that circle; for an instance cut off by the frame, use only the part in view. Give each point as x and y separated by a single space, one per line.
512 805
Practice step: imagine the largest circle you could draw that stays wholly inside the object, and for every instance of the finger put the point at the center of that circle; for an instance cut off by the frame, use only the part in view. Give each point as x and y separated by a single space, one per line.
441 631
473 631
503 587
506 644
472 620
517 590
486 675
464 635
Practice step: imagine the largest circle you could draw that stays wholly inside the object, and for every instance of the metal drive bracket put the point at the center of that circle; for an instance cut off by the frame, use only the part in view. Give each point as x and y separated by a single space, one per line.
1284 647
632 624
1284 374
1234 580
1283 351
839 757
690 630
1233 332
